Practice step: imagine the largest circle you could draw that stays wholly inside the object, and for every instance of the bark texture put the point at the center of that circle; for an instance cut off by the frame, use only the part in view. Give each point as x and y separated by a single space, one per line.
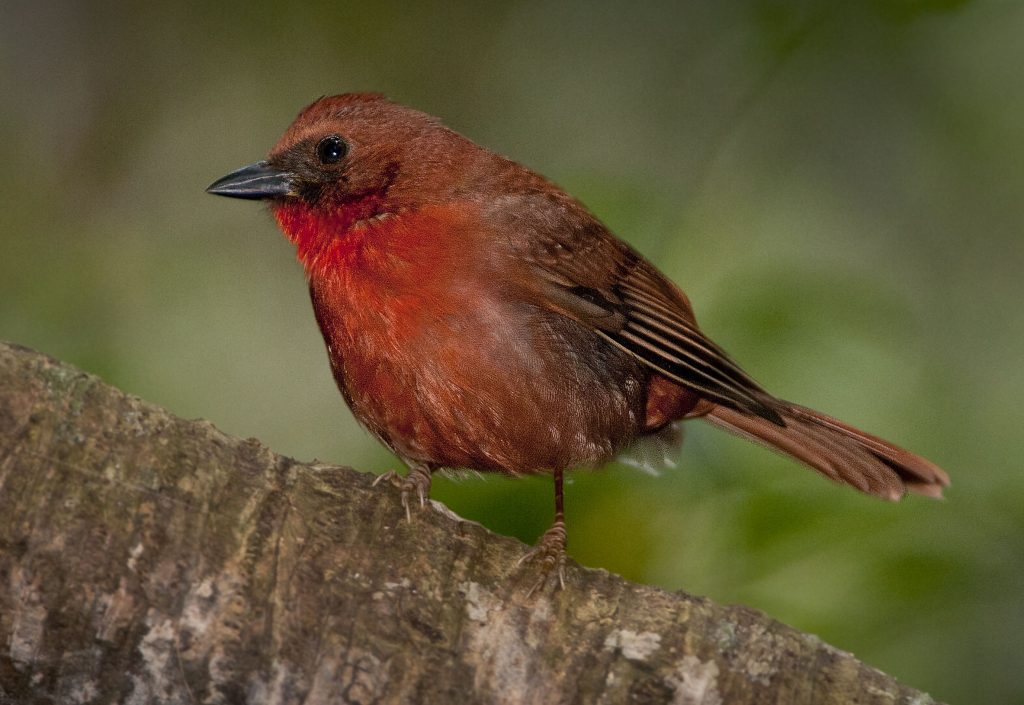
145 558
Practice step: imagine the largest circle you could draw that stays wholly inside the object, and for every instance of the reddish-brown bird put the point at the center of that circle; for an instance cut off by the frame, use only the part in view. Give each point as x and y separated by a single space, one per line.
477 316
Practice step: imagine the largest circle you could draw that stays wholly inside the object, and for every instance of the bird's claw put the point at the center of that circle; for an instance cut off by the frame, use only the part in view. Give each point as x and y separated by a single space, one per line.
416 480
389 476
549 554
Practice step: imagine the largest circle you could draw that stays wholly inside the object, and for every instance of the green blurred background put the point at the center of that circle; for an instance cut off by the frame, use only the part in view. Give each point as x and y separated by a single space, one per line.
838 186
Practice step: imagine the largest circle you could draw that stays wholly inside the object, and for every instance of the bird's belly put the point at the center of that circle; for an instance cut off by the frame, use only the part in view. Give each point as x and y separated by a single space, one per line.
489 386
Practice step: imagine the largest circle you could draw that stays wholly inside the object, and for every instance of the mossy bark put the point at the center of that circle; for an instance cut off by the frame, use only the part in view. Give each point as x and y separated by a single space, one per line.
145 558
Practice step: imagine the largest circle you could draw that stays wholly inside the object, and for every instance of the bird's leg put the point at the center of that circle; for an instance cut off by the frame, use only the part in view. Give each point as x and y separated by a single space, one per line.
417 481
550 550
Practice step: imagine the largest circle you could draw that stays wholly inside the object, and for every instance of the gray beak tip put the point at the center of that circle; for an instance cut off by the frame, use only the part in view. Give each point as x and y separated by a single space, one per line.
254 182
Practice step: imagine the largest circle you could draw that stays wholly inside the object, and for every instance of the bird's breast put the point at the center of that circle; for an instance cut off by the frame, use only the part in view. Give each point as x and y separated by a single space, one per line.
440 359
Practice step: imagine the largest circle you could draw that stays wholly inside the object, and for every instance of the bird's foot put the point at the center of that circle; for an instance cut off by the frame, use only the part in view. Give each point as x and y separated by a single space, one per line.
416 481
549 555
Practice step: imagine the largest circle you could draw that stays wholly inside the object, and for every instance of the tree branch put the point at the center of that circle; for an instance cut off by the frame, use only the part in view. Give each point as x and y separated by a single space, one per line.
144 558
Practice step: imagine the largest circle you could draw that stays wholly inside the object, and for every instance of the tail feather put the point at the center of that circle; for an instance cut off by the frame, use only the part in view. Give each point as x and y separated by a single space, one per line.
840 452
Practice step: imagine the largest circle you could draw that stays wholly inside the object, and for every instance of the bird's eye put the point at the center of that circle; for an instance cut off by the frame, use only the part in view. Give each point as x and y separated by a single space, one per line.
331 149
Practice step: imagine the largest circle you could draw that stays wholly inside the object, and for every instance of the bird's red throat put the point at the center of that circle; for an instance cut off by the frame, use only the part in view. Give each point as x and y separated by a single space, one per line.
328 237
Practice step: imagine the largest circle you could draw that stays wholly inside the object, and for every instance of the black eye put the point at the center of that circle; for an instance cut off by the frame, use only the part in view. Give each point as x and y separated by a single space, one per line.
331 149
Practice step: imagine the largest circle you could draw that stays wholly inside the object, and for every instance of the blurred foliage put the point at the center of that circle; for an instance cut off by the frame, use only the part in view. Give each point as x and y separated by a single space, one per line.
838 187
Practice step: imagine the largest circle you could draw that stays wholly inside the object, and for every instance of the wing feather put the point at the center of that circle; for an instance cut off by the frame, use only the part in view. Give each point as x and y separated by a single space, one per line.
603 283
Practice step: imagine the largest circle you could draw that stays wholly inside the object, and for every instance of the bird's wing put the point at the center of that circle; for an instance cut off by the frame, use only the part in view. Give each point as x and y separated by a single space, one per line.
596 279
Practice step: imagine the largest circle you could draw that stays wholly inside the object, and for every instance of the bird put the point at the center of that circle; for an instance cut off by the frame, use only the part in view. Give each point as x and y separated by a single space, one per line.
477 316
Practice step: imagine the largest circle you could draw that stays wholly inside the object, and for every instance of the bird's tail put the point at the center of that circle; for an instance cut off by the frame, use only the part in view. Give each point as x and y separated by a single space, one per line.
836 450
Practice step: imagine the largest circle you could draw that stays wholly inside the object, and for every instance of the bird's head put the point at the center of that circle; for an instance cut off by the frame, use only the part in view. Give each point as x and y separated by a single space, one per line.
358 153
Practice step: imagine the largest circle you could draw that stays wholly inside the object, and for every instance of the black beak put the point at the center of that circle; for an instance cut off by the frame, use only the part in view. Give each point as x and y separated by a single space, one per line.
256 181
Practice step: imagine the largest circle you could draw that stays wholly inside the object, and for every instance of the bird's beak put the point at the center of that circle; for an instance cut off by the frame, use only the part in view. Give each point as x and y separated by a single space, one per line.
256 181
